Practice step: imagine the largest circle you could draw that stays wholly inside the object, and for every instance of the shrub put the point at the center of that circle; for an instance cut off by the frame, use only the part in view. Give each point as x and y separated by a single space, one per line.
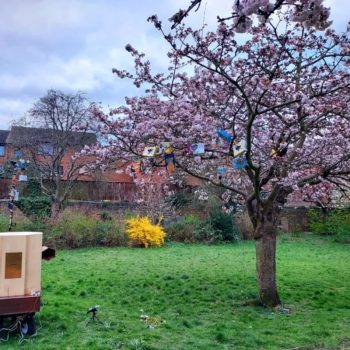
78 230
180 199
142 232
336 223
21 225
105 204
317 222
184 229
207 233
75 230
215 228
34 203
36 226
34 188
4 223
105 216
35 207
224 225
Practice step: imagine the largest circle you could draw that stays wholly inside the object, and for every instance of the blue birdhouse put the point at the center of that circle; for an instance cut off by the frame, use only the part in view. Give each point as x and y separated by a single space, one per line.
239 163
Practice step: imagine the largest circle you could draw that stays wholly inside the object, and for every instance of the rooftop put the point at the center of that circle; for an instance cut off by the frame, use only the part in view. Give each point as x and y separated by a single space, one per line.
24 136
3 136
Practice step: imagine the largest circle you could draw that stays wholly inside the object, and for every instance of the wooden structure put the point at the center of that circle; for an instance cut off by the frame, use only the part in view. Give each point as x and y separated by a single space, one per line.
20 263
20 280
21 254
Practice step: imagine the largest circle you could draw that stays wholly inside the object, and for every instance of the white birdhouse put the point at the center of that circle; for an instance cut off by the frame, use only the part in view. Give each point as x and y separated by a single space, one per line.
239 148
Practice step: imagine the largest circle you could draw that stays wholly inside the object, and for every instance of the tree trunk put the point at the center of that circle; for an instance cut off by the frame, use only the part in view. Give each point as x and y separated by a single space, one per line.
55 210
265 243
264 216
266 269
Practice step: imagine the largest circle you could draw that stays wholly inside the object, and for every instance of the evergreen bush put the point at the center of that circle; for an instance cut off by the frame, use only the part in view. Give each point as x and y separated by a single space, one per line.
224 225
36 208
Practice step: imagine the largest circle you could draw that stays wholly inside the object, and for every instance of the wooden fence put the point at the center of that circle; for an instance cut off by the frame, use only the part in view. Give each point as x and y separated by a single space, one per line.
87 190
4 188
99 191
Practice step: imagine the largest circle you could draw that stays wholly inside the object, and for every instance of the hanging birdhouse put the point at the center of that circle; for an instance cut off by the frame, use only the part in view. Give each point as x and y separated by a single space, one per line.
168 150
14 180
196 148
220 142
225 135
274 152
150 151
222 170
165 147
136 167
170 162
238 148
14 194
22 178
239 163
22 164
280 151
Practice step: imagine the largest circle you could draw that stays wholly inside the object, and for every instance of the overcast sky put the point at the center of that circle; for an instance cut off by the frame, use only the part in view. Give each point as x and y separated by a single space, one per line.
72 45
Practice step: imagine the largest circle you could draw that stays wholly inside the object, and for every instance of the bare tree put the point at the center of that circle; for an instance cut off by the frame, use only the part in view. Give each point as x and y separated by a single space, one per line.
59 128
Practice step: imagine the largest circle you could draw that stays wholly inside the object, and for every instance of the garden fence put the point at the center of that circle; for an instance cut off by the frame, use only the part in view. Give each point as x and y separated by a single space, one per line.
89 190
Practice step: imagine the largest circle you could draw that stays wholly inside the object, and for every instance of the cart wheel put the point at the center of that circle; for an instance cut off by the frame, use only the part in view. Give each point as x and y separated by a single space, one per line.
28 326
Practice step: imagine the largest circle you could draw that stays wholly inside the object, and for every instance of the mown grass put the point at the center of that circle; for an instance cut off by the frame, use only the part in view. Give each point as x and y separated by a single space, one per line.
199 291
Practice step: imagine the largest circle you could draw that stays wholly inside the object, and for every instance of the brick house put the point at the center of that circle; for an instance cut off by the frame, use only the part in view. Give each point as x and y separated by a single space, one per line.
4 149
25 143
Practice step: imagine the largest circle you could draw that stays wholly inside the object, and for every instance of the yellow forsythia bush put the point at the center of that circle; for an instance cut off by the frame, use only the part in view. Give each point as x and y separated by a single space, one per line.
141 231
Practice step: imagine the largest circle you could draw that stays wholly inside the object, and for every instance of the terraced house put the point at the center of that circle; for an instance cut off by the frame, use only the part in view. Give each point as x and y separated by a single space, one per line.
3 148
53 158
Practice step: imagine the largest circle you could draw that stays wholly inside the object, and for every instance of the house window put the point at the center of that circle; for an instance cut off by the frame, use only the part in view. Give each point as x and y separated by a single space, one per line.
60 170
45 149
2 150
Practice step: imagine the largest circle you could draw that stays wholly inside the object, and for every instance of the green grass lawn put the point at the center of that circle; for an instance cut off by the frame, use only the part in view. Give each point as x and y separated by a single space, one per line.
199 291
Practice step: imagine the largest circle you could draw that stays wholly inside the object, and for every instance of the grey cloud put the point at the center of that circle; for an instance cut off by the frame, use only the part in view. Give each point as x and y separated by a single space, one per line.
73 45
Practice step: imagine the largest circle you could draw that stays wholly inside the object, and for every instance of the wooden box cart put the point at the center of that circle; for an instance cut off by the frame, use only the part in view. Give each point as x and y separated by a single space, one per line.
21 254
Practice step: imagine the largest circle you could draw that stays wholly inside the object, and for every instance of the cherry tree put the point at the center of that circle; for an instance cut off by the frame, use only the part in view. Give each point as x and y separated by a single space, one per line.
312 13
271 110
54 130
